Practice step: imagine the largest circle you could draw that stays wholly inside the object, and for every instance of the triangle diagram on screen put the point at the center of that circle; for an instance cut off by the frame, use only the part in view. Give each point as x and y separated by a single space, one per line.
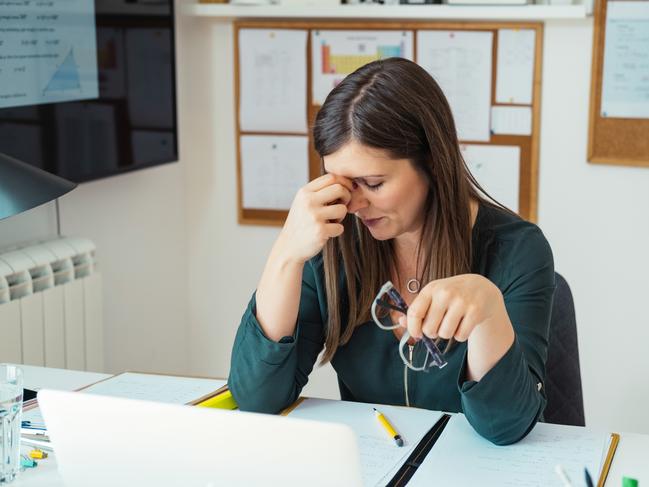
66 77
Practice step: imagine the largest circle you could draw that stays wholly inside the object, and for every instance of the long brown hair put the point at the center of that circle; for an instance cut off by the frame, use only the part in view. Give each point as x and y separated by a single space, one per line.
396 106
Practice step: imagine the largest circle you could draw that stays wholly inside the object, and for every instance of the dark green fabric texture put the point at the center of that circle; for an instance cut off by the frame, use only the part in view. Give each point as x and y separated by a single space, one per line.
267 376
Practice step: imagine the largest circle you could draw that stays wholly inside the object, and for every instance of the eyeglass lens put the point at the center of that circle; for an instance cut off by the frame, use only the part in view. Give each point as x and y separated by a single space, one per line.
389 307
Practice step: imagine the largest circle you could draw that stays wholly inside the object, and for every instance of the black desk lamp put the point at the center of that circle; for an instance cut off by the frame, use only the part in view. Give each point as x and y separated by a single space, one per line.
23 186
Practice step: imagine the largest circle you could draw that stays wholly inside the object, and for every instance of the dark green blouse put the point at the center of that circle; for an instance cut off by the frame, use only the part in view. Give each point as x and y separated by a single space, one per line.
267 376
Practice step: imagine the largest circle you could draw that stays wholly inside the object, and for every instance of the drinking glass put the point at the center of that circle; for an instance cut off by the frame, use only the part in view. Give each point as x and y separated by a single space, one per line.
11 402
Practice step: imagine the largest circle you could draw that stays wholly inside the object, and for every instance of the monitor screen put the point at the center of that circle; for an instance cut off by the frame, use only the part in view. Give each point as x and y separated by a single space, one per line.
87 87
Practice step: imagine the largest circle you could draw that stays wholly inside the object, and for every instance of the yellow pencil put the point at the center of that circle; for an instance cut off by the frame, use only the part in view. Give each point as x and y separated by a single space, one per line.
388 427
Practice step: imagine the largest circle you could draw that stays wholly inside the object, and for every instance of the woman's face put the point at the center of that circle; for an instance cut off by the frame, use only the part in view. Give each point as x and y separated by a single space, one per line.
388 195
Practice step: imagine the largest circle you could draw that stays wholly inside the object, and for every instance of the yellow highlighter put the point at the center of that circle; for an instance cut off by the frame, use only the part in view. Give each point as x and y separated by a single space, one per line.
223 400
388 427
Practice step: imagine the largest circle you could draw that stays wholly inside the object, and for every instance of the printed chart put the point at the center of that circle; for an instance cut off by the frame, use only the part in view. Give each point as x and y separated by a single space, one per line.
336 54
47 52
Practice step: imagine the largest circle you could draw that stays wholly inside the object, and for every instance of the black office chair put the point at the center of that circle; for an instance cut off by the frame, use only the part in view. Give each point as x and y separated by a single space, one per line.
562 376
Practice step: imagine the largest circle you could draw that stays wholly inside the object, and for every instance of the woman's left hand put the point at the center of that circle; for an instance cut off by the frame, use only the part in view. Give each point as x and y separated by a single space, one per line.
454 307
465 307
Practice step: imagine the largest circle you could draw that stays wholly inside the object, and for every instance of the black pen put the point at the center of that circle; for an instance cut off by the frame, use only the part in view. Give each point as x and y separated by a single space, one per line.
589 480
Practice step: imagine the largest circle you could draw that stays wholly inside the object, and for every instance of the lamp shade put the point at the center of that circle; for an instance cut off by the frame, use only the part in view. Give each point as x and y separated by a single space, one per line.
23 186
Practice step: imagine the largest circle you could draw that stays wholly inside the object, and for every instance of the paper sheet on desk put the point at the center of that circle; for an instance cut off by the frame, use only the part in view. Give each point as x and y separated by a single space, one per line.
147 387
462 457
158 388
380 456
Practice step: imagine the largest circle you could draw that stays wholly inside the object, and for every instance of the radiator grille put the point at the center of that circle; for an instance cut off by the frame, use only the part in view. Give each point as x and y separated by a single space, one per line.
51 305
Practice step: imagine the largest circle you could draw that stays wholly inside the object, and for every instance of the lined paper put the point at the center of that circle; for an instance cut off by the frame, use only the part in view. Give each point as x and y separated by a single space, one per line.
462 457
380 456
157 388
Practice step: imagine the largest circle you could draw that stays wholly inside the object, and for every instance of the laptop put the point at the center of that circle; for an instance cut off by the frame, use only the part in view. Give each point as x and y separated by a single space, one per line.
109 441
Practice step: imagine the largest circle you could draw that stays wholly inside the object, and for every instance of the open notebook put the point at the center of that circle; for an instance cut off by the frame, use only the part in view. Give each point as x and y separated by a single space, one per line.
442 449
381 458
529 463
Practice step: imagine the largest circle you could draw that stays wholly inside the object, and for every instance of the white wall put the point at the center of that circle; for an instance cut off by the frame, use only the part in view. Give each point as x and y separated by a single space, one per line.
594 216
137 222
37 223
225 259
597 221
178 269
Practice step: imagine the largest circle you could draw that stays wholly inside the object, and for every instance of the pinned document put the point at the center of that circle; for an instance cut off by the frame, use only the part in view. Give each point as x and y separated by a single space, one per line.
273 80
497 169
461 63
626 60
273 169
337 53
511 120
515 66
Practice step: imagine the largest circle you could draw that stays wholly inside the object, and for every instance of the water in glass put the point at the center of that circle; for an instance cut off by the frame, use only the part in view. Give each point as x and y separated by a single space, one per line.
11 398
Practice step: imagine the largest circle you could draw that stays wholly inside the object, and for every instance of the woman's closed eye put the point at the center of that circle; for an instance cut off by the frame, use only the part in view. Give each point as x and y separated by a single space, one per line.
371 185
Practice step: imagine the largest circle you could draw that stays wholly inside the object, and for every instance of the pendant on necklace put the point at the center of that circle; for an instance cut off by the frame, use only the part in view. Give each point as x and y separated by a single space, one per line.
413 286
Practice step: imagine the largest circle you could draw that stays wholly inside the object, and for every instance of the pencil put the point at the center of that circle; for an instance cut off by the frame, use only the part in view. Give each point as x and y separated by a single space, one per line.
388 427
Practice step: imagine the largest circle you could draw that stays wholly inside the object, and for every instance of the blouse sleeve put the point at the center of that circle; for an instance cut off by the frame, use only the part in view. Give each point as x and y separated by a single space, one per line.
267 376
508 401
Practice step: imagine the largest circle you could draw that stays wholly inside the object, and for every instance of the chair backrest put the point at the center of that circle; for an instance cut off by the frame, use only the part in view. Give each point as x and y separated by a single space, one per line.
562 375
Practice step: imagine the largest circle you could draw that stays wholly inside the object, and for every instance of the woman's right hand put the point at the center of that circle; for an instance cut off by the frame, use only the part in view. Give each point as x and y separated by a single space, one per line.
315 216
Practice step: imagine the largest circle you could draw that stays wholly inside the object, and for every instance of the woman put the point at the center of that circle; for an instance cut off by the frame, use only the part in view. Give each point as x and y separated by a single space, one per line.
398 203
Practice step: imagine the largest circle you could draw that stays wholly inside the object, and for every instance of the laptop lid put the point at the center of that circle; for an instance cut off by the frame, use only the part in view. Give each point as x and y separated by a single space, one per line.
108 441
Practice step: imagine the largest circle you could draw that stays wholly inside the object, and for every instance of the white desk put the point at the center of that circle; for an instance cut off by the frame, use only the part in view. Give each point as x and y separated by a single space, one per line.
630 459
35 378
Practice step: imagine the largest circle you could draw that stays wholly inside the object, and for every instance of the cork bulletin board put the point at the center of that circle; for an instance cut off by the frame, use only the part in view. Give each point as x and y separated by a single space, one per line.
528 144
613 139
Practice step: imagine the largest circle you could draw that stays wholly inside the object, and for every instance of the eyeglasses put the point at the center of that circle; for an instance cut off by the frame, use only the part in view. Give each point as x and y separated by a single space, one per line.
386 302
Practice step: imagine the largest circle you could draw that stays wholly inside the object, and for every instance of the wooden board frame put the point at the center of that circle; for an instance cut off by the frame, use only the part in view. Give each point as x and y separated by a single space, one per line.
528 144
616 141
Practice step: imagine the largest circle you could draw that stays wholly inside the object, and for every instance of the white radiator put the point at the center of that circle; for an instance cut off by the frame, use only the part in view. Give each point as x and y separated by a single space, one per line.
51 306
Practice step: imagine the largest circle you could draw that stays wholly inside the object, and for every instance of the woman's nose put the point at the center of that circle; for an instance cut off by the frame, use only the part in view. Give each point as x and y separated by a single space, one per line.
358 200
